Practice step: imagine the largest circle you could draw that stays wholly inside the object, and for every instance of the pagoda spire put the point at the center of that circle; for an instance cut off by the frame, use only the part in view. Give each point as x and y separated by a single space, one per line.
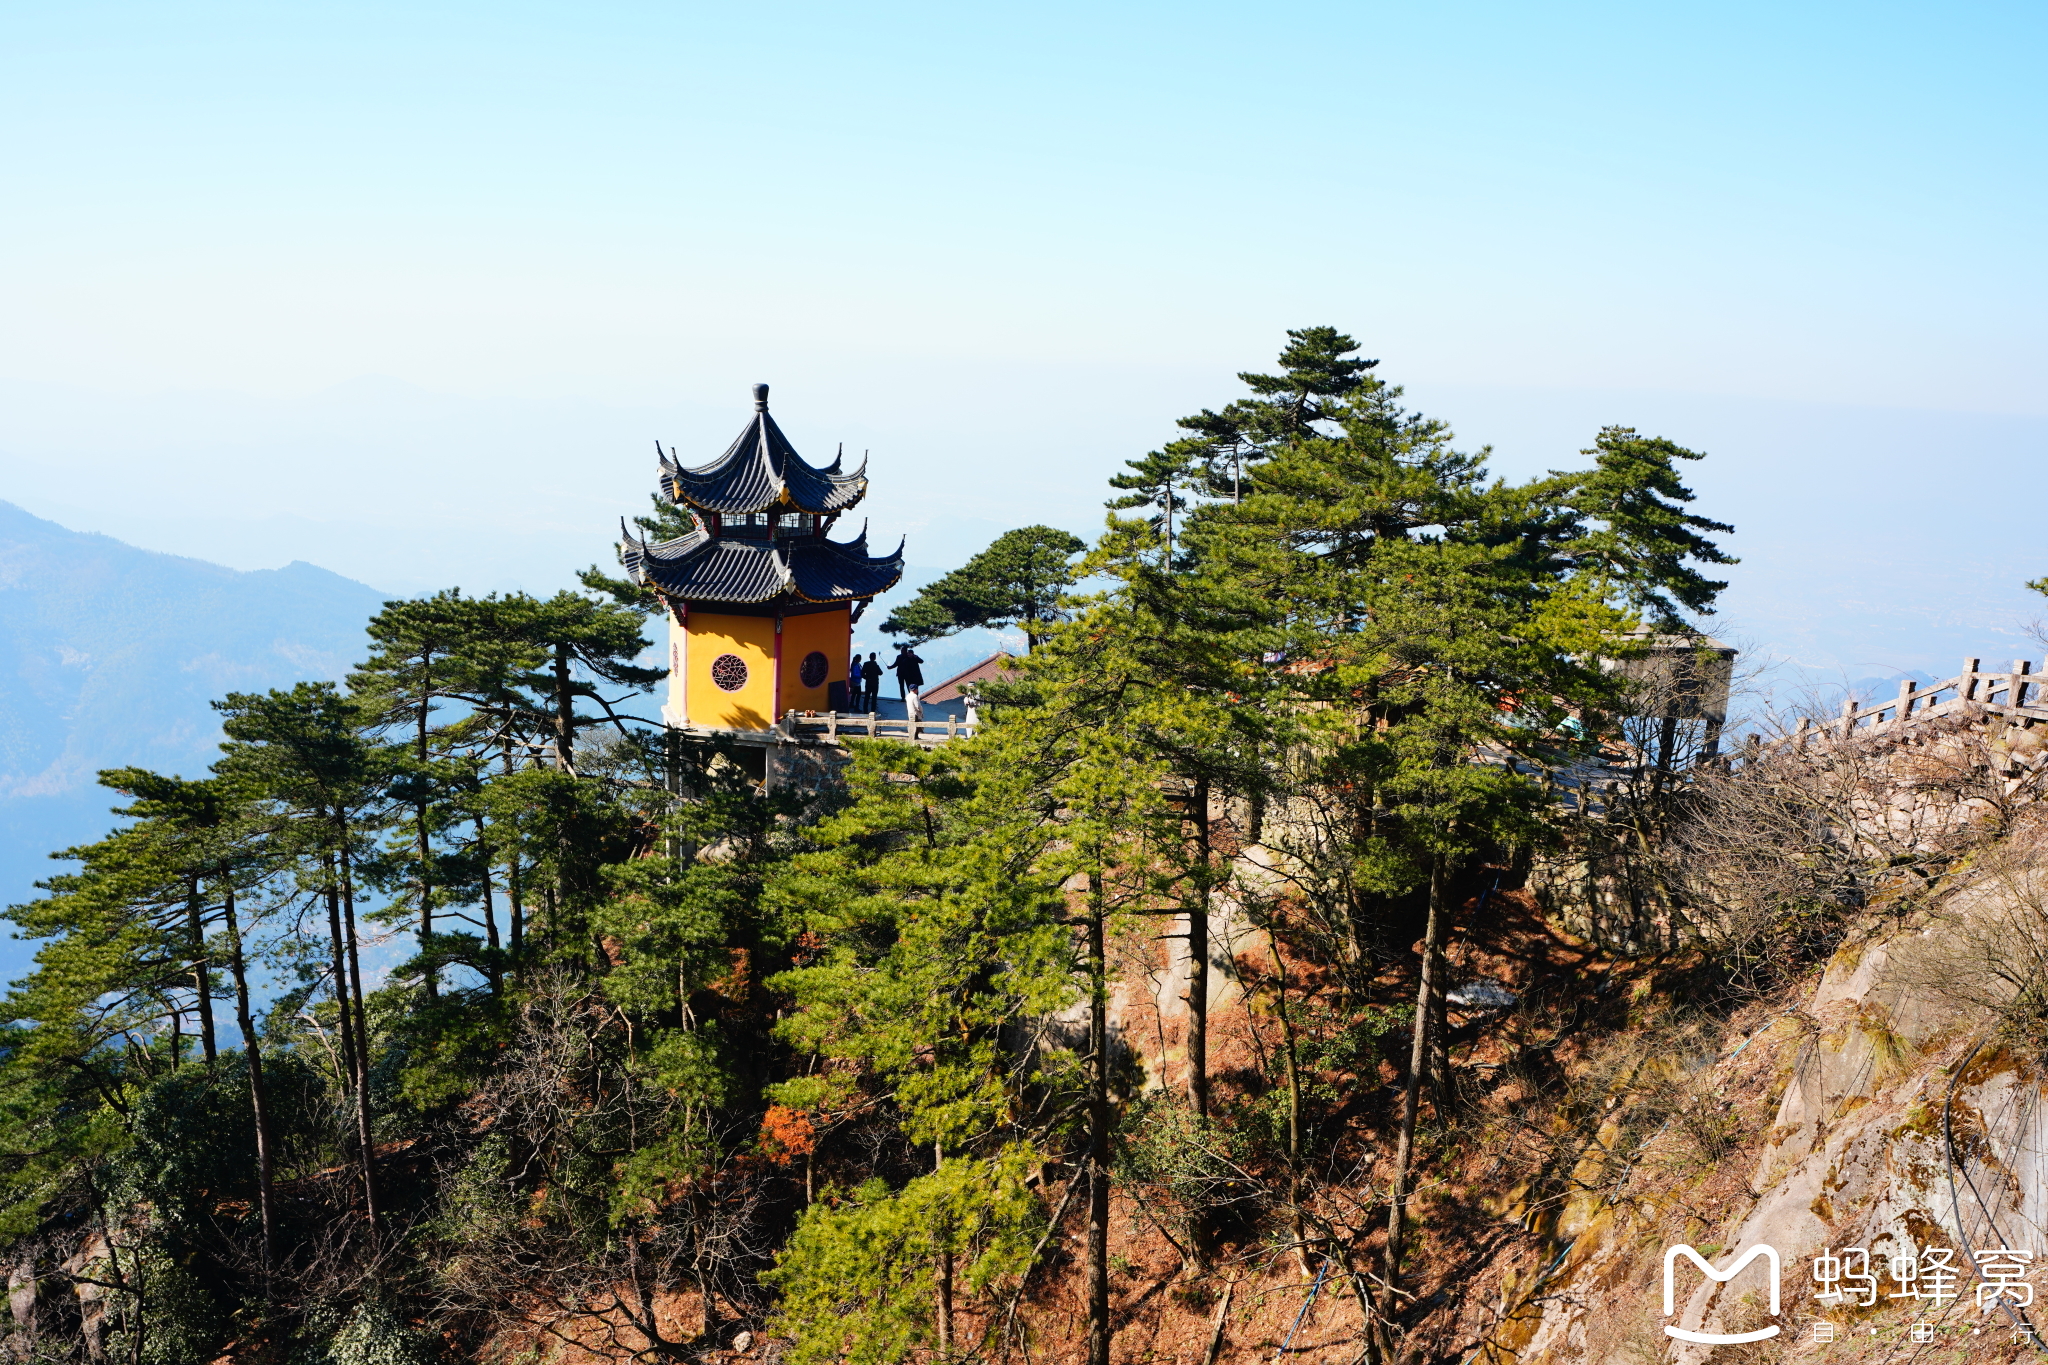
760 472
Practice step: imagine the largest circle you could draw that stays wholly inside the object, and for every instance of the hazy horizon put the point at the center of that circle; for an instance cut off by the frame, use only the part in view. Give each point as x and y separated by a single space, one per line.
410 292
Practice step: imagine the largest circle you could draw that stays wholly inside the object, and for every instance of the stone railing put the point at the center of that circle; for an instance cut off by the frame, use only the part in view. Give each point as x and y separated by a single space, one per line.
832 726
2015 693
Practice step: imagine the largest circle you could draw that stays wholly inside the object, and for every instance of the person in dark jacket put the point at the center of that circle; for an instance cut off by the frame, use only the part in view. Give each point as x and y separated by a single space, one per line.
870 683
909 671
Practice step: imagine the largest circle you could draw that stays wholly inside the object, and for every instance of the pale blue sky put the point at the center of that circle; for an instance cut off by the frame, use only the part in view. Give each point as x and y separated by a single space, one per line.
409 290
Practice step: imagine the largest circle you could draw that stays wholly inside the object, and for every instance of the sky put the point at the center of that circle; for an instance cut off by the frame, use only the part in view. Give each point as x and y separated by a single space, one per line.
410 291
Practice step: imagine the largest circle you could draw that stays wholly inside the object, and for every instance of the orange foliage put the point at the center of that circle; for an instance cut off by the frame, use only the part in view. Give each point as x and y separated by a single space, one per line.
787 1134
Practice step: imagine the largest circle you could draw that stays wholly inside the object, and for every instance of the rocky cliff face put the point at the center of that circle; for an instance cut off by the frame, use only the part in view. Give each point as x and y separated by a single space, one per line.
1884 1131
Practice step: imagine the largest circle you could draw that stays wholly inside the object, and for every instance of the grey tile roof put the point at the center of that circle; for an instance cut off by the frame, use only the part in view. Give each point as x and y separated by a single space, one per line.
762 471
700 568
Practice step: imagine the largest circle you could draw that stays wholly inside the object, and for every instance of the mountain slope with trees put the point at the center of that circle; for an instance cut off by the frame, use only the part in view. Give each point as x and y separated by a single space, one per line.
851 1070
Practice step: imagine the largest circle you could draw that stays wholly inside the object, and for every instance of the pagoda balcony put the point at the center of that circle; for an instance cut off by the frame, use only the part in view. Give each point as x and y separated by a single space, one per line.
835 727
940 723
769 526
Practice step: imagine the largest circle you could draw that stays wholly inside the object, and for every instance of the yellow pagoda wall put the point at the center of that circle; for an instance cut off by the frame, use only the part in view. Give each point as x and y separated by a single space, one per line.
673 710
751 639
825 632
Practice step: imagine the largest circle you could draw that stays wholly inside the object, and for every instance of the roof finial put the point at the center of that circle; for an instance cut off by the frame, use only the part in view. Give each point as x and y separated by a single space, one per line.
760 398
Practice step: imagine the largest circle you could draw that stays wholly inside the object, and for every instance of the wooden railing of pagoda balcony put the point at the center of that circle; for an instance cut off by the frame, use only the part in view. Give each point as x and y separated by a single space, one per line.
832 726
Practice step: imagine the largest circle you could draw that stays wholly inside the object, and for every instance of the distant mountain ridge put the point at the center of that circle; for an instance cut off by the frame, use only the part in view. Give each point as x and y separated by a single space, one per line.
110 655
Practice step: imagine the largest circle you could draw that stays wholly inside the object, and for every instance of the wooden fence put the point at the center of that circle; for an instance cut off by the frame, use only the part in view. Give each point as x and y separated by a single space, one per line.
2016 693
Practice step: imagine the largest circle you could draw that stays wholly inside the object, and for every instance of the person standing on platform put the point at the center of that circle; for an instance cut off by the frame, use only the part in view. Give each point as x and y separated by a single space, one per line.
909 672
870 683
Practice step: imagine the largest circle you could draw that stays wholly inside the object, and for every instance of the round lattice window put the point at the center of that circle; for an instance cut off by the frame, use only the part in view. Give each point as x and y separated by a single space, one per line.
811 672
729 671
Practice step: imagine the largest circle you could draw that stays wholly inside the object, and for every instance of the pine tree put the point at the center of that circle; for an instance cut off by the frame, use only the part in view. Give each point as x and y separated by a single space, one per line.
669 521
857 1278
1171 664
1441 631
301 754
505 728
1634 531
1108 793
190 839
80 1026
1319 375
1018 580
1162 481
587 644
938 908
415 665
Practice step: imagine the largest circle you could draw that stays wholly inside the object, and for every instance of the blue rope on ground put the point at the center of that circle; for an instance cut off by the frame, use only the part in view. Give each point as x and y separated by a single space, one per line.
1306 1304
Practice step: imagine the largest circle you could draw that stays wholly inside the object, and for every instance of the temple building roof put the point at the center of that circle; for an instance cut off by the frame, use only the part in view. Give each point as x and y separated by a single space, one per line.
700 567
762 472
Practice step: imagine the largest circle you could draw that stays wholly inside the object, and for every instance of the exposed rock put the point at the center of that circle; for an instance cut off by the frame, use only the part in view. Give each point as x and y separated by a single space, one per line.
1901 1125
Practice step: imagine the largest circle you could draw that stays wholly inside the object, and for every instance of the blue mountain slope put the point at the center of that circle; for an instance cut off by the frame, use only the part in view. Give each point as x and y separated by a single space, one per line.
109 656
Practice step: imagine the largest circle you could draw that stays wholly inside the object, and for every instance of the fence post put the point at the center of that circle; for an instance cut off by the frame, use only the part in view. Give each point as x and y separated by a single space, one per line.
1906 689
2022 669
1848 717
1966 686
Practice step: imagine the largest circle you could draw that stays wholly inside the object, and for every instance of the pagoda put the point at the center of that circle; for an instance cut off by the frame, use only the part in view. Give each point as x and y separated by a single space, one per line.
761 603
